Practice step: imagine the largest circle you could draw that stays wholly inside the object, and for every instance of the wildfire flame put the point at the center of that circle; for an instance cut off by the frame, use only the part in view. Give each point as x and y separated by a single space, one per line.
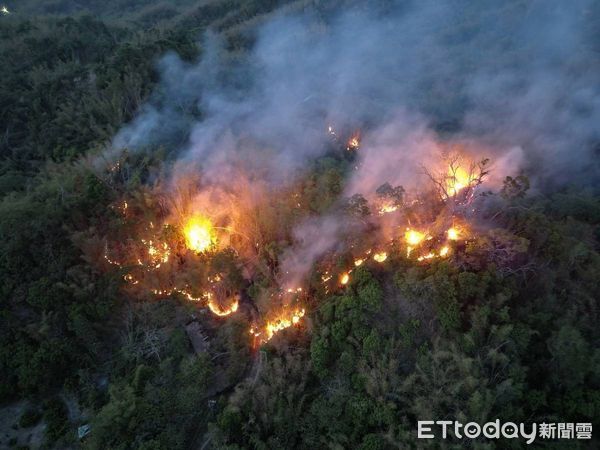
388 209
431 255
413 237
272 327
457 179
216 309
427 243
453 234
345 278
283 323
158 254
380 257
353 142
199 234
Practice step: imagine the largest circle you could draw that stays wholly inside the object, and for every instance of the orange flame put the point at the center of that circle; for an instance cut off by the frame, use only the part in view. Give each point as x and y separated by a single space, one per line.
380 257
158 253
458 179
274 326
345 278
444 251
199 234
215 308
387 209
413 237
353 142
429 255
453 234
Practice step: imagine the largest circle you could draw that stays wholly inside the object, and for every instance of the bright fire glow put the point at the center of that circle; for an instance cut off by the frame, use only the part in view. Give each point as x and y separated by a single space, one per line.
458 179
429 255
413 237
345 278
428 243
354 142
281 323
199 234
453 234
388 209
159 254
215 308
380 257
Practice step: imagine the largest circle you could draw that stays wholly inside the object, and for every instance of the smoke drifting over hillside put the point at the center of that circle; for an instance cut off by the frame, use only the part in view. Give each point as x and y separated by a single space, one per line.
522 75
517 82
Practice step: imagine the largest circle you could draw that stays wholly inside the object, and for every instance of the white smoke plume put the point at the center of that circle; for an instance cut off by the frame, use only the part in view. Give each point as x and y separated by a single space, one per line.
519 80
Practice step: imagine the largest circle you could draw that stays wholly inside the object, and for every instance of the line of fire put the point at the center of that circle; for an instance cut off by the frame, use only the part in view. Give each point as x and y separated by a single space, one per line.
209 245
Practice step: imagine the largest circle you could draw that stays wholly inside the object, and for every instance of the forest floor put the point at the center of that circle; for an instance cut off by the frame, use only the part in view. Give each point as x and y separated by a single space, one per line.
14 436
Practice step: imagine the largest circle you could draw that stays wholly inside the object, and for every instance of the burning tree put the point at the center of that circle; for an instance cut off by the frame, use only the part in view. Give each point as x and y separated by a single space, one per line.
214 243
390 198
459 179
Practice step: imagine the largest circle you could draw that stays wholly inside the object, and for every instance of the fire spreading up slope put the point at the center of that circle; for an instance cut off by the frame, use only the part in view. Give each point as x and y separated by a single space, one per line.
229 223
180 251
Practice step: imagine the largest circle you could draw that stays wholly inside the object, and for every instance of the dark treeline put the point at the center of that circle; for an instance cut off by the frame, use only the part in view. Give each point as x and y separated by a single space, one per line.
484 341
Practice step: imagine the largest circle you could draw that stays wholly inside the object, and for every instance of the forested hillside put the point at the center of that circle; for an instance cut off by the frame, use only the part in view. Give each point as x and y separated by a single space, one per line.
195 251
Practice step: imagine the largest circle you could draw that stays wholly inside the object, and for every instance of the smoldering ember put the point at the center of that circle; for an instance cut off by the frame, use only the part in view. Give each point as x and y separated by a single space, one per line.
298 224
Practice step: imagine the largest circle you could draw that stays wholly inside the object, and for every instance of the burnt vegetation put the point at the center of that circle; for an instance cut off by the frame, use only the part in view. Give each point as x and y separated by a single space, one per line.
506 327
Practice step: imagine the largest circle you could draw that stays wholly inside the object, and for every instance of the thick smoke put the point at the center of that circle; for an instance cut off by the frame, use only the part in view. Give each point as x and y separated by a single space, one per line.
314 238
515 81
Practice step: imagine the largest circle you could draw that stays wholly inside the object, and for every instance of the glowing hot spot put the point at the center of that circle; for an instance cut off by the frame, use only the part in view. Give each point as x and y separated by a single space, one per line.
282 323
216 309
199 234
380 257
458 179
345 278
353 142
453 234
388 209
429 255
413 237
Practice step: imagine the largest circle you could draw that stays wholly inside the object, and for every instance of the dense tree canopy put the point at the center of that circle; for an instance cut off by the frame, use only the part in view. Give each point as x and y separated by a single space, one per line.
508 332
